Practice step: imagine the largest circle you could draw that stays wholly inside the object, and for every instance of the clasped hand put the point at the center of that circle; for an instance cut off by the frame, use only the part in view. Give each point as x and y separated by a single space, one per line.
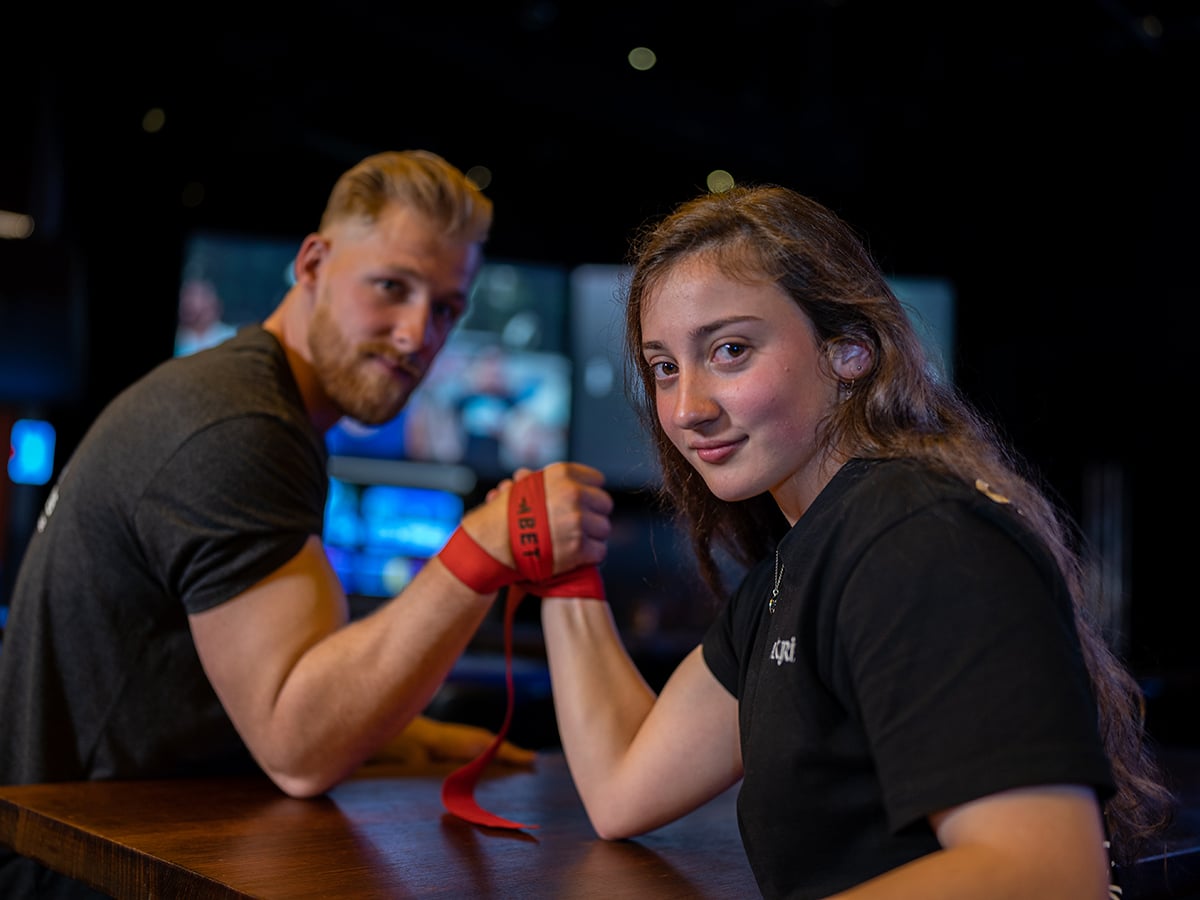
577 510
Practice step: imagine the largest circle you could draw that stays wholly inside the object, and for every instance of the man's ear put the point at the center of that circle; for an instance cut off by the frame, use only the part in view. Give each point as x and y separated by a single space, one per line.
309 257
851 360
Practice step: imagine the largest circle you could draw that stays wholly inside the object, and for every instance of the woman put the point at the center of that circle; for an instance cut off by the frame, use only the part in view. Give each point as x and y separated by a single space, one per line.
906 681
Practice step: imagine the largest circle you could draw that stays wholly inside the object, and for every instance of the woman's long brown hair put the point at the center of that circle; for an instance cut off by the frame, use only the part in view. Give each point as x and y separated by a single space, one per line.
903 407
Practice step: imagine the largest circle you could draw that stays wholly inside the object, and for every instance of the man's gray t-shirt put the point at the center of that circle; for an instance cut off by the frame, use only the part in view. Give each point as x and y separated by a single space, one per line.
193 485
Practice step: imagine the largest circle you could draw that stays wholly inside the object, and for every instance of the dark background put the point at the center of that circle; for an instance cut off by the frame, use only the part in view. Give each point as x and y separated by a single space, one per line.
1041 155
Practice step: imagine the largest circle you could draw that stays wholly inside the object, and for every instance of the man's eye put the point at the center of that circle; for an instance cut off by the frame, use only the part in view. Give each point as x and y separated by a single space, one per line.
448 311
393 287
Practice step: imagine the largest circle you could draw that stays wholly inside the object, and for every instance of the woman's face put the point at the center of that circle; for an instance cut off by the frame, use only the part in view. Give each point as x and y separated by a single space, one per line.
738 384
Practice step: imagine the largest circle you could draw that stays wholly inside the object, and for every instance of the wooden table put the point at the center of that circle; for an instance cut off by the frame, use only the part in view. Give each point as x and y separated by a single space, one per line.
383 833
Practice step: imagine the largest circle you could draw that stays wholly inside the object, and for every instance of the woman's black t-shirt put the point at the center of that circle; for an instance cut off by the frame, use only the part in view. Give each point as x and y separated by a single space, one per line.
922 654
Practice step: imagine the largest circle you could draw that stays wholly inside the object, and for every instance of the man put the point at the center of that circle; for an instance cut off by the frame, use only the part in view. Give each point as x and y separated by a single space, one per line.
175 612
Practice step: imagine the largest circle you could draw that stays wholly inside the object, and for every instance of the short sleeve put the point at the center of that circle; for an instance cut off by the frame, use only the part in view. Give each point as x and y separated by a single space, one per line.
961 646
718 651
236 502
732 633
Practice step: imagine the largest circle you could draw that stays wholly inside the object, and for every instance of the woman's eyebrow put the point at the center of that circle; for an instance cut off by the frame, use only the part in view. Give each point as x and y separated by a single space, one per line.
702 331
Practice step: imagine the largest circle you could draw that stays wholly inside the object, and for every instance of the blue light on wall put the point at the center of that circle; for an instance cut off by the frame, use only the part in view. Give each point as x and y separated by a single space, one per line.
31 454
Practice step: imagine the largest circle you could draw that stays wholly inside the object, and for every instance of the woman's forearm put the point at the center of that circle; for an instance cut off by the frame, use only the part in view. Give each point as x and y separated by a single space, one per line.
600 696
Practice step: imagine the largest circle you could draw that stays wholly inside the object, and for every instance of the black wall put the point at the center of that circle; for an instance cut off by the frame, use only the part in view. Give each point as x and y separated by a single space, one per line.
1045 160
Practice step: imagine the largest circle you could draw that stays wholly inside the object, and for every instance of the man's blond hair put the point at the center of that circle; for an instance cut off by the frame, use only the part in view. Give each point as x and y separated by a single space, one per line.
418 179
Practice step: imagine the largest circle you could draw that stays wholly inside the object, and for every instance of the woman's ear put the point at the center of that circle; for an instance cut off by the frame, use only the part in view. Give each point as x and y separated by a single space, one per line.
851 360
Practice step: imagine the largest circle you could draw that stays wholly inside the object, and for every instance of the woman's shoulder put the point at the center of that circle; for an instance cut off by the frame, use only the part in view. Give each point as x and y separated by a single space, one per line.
893 491
900 481
882 490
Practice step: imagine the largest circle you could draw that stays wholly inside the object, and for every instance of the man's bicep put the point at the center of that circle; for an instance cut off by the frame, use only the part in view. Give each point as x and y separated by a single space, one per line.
250 644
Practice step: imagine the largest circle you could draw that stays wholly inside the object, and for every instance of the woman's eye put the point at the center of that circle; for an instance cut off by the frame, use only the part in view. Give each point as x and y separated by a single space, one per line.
662 369
730 351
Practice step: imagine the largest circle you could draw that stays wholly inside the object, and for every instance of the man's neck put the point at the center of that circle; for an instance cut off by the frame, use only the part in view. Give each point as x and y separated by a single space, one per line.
293 337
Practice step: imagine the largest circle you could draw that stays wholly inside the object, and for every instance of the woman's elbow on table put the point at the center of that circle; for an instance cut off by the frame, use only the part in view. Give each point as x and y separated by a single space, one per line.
618 816
612 828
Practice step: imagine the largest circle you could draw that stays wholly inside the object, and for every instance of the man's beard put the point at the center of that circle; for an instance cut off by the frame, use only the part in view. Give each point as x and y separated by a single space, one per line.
364 392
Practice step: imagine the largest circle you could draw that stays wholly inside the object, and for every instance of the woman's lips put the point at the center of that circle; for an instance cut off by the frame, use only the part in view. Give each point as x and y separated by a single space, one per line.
715 453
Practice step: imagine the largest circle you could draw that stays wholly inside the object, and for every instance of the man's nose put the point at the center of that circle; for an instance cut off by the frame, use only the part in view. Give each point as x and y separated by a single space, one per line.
410 330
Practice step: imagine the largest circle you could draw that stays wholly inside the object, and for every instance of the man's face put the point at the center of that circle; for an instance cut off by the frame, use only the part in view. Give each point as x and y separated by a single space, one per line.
387 297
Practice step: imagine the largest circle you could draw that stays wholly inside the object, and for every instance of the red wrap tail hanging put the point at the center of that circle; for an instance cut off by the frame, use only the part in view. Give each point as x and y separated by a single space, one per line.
529 532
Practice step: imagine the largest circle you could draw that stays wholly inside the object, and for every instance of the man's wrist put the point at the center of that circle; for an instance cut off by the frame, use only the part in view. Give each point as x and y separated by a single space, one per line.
472 565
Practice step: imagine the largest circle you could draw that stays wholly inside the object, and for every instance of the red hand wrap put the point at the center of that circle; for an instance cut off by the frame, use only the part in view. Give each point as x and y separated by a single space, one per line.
474 566
529 532
583 582
529 528
533 551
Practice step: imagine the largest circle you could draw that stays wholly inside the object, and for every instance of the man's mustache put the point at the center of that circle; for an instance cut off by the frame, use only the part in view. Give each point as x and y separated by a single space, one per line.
409 363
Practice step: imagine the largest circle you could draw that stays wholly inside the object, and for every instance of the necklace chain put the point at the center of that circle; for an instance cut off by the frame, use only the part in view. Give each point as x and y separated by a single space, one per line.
773 602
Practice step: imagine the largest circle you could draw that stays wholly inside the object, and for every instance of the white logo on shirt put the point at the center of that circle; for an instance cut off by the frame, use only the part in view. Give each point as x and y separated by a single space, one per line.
784 651
48 509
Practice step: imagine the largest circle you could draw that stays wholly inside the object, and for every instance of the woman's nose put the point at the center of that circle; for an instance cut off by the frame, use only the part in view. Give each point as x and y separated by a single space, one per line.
694 401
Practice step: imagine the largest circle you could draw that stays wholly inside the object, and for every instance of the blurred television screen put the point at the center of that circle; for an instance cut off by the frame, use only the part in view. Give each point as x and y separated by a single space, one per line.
378 536
497 397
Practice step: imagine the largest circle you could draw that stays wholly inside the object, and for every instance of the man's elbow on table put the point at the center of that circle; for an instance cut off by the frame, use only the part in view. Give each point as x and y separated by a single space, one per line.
306 785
